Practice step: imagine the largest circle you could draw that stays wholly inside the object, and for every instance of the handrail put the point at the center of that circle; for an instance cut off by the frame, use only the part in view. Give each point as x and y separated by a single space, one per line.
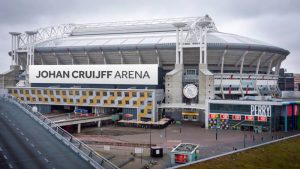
84 151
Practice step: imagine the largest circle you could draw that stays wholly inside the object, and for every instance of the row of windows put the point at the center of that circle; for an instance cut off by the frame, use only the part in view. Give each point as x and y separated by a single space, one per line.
83 100
84 93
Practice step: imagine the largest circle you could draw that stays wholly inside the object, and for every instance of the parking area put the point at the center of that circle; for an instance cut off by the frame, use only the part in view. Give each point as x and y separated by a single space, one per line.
122 141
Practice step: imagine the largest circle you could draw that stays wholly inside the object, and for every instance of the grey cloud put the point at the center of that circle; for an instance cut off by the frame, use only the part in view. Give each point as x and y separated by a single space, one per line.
273 21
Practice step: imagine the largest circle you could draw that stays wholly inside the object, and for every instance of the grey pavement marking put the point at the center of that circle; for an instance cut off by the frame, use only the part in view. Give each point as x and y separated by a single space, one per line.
22 133
5 157
26 139
17 128
32 145
13 124
10 166
46 160
39 152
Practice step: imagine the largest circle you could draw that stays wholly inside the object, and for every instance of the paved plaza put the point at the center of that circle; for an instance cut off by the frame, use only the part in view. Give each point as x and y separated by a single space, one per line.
227 140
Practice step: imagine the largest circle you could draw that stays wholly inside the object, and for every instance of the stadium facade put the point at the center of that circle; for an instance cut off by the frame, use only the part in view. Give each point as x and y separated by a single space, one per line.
223 80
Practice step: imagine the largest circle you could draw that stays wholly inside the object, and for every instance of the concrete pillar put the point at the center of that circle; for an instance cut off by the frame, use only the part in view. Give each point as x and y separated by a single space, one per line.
285 118
79 128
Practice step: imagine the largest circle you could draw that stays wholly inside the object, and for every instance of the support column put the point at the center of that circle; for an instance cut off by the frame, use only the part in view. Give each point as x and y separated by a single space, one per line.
30 47
79 128
181 45
177 44
99 123
14 46
285 118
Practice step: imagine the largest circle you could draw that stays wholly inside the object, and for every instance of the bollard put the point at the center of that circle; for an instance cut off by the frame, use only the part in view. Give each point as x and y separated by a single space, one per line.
262 138
253 138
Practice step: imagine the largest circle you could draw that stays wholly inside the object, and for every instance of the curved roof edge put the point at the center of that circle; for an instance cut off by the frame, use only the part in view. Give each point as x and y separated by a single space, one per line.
212 46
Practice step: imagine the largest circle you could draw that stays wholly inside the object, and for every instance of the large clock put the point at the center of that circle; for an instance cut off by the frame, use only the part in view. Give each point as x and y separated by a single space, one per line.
190 91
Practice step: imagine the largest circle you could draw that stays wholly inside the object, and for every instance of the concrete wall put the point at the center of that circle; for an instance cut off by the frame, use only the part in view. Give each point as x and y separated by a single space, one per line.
8 79
173 85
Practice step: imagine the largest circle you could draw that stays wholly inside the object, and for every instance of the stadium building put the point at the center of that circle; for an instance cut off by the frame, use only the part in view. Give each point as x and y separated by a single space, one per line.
222 80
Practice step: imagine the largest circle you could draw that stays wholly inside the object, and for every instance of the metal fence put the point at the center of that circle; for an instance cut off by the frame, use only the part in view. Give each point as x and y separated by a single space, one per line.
84 151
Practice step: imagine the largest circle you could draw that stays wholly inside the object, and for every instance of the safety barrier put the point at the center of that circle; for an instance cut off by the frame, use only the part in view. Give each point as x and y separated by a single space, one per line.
84 151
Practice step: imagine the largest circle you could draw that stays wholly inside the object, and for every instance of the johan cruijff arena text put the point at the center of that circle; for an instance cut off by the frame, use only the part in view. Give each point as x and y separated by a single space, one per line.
203 74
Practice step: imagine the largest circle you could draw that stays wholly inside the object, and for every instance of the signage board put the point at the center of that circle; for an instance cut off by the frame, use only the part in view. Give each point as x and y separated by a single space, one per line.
224 116
262 118
212 116
249 118
236 117
261 110
136 74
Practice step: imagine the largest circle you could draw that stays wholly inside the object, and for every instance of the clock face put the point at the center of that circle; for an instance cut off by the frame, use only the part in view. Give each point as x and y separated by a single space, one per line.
190 91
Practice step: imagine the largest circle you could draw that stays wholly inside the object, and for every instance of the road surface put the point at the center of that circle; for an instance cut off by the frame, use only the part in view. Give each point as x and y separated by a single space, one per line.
25 144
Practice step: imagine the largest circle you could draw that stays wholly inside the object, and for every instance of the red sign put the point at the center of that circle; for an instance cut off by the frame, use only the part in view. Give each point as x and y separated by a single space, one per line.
236 117
262 118
249 118
181 158
224 116
212 116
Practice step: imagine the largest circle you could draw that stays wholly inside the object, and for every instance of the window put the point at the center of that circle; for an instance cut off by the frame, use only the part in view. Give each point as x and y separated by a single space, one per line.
134 102
91 93
111 93
58 99
40 99
39 92
133 94
84 93
46 100
77 93
185 117
150 94
64 92
120 102
52 99
104 93
78 100
21 91
119 94
64 100
126 94
70 92
127 102
51 92
194 117
71 100
149 111
32 91
27 91
57 92
112 102
142 94
105 101
45 92
84 100
98 101
97 93
91 101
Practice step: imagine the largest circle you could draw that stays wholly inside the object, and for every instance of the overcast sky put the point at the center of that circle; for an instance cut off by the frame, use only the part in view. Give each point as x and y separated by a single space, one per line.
274 21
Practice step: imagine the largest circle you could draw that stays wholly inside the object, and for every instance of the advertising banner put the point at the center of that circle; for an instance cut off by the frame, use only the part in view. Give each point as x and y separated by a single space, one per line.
134 74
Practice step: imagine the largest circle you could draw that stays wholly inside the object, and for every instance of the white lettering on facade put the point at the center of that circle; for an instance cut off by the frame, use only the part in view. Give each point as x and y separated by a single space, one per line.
261 110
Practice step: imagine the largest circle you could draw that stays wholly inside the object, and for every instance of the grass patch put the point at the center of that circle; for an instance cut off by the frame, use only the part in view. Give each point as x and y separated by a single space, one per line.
279 155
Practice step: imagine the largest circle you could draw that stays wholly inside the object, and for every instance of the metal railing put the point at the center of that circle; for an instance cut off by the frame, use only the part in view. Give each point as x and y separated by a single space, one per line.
84 151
